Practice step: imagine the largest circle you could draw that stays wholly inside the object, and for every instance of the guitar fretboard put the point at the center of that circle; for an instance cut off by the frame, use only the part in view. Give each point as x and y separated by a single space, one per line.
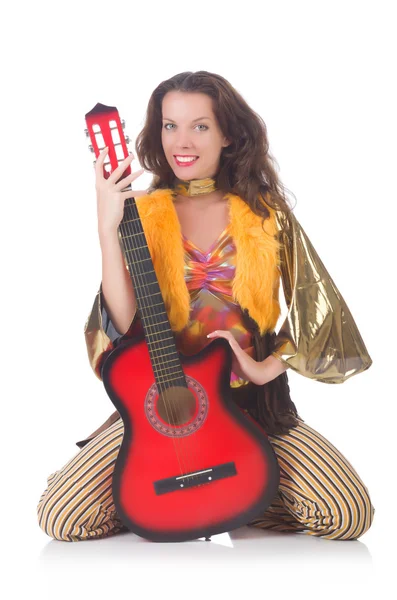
159 335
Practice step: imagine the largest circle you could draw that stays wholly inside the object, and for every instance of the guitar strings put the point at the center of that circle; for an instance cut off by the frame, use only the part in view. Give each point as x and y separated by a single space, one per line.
131 225
135 224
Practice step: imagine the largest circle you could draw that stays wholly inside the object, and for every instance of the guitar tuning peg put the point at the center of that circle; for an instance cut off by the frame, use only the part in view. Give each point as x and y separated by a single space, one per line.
122 123
87 133
127 139
91 148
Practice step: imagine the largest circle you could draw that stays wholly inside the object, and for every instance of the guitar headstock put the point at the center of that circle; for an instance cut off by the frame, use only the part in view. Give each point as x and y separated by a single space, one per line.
104 128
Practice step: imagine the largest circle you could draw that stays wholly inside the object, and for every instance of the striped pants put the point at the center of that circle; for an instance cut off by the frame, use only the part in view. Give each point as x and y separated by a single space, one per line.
319 494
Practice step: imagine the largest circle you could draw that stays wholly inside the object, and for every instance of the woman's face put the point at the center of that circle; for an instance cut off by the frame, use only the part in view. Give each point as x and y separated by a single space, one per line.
189 128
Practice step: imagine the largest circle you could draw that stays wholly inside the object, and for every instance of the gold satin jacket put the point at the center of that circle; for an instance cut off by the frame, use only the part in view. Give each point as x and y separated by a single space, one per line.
318 339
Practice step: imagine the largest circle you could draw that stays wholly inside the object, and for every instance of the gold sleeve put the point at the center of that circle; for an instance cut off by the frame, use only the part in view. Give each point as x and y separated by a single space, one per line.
319 338
98 338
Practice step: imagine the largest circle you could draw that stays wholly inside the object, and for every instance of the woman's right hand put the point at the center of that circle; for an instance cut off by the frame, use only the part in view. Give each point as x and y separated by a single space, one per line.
110 198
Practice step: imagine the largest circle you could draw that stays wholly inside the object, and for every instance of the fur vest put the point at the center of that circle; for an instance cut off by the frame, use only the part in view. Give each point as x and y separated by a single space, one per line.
255 287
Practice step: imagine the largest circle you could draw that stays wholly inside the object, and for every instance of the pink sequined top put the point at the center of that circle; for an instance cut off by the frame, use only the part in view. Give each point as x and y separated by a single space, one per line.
209 281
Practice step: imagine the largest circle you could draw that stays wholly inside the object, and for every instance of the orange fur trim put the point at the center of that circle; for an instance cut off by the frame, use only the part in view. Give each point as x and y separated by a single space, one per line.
257 276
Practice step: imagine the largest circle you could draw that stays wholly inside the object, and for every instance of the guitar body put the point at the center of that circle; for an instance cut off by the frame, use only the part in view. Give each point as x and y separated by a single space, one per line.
185 473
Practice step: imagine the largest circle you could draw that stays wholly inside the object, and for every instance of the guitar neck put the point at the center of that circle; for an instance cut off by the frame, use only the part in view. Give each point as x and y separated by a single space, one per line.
158 333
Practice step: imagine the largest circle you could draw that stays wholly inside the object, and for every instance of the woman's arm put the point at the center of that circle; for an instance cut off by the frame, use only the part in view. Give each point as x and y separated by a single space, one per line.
115 300
273 367
118 295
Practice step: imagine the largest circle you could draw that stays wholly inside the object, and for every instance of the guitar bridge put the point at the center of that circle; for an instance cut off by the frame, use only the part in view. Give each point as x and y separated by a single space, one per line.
195 478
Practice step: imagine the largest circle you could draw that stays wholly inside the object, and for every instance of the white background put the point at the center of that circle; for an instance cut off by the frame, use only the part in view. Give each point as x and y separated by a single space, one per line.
322 77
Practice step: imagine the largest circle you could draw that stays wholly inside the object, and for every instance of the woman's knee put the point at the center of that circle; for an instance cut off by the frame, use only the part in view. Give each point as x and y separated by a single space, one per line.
356 511
360 518
66 520
336 503
344 520
52 505
77 503
47 507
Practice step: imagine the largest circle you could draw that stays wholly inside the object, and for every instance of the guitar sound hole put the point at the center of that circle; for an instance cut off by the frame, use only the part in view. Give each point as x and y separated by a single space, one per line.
176 405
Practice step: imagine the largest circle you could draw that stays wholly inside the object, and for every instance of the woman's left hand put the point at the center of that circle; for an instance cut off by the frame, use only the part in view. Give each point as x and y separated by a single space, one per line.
243 365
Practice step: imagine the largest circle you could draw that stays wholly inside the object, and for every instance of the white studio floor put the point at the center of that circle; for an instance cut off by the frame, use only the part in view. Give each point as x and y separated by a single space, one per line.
244 561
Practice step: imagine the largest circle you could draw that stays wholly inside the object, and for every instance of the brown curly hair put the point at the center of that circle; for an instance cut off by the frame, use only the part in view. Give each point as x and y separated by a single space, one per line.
246 165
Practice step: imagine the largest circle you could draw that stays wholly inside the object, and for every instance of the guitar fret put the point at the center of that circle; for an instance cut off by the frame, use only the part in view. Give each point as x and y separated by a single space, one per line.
149 295
158 323
155 304
164 380
136 248
143 260
153 353
155 326
167 380
133 235
129 221
158 341
148 283
170 361
170 369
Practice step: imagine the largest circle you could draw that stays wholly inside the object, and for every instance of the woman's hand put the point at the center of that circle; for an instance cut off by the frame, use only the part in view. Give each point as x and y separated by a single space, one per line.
243 365
110 198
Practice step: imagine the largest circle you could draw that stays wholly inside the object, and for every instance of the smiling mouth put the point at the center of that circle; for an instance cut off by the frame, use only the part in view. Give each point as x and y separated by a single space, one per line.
186 163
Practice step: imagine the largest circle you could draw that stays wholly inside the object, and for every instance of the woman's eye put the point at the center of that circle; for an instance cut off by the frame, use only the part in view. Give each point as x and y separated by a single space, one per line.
200 125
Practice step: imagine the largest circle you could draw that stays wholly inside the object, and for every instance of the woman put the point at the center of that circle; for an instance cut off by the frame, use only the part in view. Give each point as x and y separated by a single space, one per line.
221 236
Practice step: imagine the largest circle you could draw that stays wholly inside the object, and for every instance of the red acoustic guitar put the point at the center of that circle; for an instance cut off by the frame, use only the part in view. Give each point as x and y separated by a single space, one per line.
191 464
